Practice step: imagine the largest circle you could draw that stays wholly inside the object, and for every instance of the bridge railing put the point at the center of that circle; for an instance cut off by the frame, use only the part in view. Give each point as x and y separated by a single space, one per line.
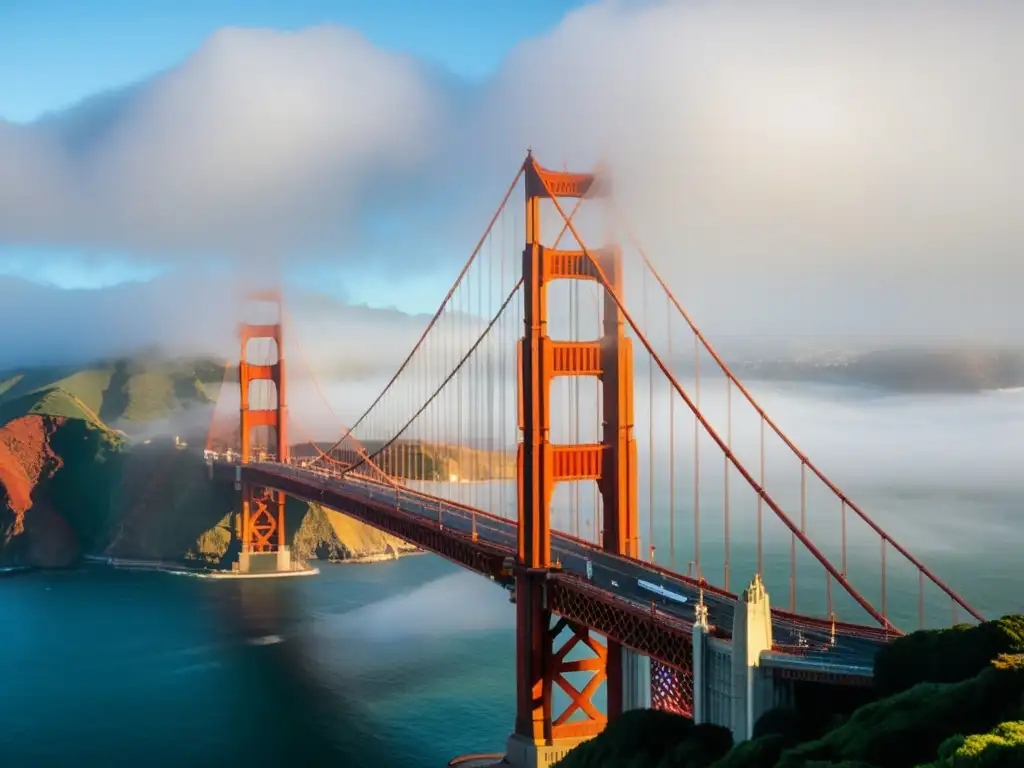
818 634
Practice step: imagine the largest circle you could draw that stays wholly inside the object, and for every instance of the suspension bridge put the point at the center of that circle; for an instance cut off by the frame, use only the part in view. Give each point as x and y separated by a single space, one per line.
576 438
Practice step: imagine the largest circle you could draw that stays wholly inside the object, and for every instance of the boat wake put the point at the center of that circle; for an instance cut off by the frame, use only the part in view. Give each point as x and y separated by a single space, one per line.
265 640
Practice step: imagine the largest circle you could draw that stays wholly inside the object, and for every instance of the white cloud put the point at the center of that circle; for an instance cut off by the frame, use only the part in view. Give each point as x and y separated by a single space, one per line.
853 154
258 144
195 313
795 136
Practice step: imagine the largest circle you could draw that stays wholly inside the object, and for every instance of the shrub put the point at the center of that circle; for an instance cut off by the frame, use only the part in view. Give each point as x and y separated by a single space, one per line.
638 739
946 655
705 744
756 753
783 721
1001 747
908 728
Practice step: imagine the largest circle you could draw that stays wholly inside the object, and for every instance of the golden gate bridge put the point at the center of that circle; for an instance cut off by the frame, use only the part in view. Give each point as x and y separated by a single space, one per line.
510 441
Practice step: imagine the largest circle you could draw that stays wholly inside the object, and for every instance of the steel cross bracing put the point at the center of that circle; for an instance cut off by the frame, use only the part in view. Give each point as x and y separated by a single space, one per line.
486 372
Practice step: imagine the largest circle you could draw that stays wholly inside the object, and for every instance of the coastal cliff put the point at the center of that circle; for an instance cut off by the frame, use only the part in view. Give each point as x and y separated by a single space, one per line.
69 489
71 486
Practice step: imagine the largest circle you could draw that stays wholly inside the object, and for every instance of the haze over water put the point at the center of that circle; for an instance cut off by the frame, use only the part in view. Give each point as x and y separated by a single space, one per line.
939 473
408 663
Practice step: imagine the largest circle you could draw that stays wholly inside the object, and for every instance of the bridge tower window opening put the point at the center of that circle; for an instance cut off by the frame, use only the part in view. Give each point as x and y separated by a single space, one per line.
610 461
263 423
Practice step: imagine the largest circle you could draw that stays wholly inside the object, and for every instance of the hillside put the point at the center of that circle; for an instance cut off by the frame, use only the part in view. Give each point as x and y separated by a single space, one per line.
949 698
907 370
168 510
55 475
125 392
71 485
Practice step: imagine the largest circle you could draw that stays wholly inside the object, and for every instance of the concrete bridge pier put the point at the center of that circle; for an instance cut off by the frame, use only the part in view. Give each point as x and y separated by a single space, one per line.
730 687
751 636
521 752
265 562
261 530
636 680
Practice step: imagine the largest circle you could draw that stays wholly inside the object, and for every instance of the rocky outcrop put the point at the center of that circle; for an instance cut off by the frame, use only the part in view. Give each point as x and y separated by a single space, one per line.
69 488
33 533
325 534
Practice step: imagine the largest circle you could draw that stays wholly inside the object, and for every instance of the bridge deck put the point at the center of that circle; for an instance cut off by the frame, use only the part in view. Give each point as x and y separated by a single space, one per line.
610 602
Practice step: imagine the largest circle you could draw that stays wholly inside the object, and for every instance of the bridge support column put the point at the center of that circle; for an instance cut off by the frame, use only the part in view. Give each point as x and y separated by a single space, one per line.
540 737
636 680
713 694
262 532
752 693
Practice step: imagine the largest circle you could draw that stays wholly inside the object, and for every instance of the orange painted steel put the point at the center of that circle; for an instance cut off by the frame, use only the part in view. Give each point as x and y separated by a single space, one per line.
541 465
262 525
479 556
659 635
615 293
262 517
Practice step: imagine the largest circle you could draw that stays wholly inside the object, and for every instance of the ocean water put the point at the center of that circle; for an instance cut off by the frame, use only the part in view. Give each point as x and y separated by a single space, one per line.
410 662
403 663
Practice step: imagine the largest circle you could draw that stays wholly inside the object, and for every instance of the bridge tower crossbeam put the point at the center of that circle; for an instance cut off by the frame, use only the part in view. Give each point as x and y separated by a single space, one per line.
262 529
540 736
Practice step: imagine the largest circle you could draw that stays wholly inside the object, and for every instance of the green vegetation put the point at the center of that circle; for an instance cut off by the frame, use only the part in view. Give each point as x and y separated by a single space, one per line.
139 389
69 484
92 463
1002 747
944 698
946 655
49 402
320 533
163 507
643 738
908 728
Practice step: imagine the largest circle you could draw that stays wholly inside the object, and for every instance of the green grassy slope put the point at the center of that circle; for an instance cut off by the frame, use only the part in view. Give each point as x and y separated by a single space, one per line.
140 389
148 500
50 402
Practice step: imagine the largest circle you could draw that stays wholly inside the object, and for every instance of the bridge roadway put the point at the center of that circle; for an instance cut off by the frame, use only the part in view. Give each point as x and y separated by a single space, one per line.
613 576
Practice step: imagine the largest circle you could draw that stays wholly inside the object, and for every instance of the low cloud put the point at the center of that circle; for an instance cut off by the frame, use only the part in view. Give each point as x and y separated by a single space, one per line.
190 313
847 159
258 145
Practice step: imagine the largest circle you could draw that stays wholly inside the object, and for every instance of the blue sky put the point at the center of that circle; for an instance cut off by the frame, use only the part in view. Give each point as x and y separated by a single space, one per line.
55 53
820 146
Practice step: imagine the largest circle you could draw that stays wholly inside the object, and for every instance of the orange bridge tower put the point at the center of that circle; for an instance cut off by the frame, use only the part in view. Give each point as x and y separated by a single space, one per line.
264 437
541 735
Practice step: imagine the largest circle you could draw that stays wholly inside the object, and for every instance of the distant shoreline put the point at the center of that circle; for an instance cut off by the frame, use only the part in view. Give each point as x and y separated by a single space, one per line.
380 557
12 570
134 564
